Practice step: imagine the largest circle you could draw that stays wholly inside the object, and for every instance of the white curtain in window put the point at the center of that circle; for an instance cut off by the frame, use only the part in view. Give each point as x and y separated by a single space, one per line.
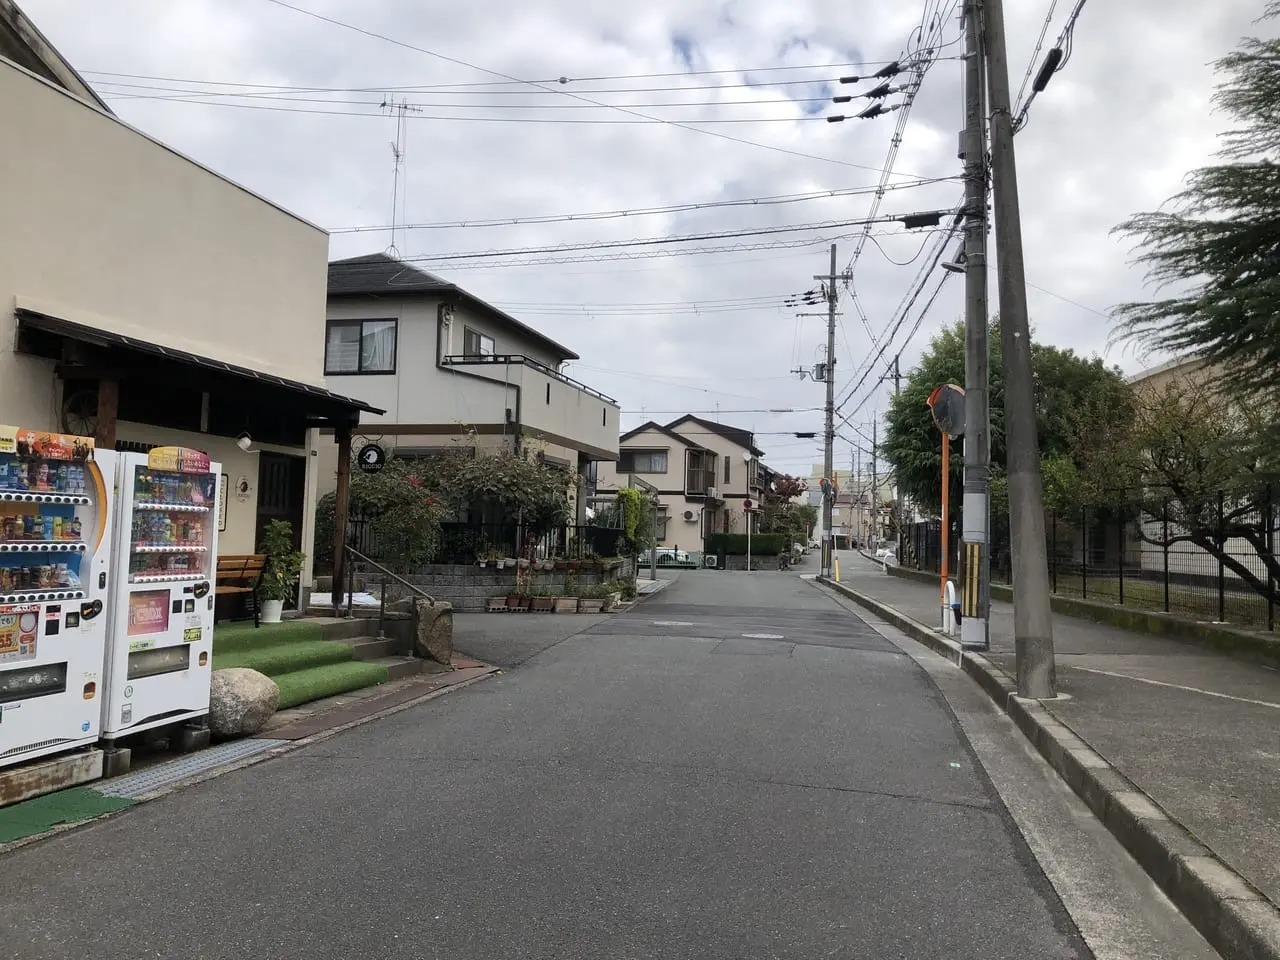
342 352
378 346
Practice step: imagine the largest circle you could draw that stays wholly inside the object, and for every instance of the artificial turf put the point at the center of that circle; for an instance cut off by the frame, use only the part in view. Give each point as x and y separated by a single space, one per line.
66 806
291 653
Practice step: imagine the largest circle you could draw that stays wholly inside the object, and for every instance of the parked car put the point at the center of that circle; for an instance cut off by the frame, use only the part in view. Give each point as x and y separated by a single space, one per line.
670 556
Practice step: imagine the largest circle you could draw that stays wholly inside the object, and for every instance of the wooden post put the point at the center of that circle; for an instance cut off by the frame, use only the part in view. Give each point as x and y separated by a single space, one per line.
108 410
341 508
946 524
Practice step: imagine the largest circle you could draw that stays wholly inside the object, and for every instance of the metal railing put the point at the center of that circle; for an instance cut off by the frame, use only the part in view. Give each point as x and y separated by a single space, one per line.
353 555
1224 570
502 359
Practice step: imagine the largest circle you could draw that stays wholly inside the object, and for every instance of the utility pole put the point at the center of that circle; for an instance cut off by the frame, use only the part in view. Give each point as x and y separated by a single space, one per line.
875 480
975 625
1032 615
859 491
828 542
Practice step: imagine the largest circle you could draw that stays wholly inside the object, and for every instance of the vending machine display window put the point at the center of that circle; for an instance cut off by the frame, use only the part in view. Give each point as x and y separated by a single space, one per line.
56 496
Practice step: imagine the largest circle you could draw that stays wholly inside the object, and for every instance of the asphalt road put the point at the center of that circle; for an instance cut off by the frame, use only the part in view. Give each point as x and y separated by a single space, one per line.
738 768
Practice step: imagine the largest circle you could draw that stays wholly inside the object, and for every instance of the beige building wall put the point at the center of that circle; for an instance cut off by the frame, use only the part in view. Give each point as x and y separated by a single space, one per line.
141 241
124 234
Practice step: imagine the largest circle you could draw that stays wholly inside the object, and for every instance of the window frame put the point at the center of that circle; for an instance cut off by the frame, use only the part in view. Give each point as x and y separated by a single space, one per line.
481 337
358 323
645 451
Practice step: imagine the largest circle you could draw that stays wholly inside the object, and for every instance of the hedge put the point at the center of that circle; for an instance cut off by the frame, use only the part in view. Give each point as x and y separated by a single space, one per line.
762 544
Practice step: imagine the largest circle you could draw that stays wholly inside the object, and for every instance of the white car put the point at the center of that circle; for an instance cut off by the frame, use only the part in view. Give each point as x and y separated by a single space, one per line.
668 556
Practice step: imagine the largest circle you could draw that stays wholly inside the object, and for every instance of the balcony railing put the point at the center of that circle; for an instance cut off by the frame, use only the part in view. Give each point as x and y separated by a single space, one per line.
504 359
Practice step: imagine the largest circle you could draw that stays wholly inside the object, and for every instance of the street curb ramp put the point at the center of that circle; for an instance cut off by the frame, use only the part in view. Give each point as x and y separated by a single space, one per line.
1236 918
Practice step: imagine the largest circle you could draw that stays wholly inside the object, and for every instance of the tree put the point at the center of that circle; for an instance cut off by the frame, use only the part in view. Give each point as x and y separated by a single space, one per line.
1193 456
1066 386
1219 245
780 514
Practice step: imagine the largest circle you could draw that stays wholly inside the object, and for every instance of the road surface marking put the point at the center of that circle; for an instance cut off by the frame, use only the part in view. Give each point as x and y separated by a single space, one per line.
672 623
1179 686
764 636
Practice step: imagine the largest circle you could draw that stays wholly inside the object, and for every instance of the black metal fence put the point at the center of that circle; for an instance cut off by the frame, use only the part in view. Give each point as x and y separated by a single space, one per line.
1216 561
465 542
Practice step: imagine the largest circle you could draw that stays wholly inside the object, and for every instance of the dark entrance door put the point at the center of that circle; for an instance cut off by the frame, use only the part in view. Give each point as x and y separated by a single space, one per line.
281 488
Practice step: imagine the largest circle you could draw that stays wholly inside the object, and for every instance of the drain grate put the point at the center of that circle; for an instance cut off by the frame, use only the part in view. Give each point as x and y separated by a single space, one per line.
134 785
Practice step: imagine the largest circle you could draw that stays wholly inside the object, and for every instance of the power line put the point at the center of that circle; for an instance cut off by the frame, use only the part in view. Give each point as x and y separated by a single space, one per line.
503 76
1031 64
493 83
1055 60
642 211
645 121
645 242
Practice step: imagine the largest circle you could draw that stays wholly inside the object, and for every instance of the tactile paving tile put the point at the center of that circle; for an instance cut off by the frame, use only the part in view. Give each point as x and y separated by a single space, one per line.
165 774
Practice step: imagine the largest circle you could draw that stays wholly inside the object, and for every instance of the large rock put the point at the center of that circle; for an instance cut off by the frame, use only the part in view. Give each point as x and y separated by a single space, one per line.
241 701
434 634
432 627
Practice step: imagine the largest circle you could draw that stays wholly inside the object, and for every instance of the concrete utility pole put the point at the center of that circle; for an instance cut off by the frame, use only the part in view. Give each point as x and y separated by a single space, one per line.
1032 615
975 625
828 542
875 481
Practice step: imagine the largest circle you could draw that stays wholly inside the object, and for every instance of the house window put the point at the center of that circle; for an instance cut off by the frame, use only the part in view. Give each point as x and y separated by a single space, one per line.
476 344
660 525
700 472
360 346
642 461
726 471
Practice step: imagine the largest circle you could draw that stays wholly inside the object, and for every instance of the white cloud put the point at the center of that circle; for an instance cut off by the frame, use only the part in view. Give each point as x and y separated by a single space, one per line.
1114 133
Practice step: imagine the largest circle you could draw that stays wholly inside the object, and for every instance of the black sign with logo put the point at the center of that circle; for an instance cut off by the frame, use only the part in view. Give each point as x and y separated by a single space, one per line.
371 458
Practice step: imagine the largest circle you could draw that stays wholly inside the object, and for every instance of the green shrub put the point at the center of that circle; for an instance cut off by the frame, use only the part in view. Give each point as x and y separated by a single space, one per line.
762 544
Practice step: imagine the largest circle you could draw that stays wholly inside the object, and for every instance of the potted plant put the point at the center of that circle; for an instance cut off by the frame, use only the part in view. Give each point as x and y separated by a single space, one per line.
517 601
593 599
542 602
281 571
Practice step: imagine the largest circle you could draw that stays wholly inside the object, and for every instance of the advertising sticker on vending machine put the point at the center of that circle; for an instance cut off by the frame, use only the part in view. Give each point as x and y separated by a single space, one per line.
160 646
55 578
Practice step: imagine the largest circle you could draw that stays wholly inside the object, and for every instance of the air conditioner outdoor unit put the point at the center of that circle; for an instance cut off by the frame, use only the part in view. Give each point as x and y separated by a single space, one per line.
690 515
709 560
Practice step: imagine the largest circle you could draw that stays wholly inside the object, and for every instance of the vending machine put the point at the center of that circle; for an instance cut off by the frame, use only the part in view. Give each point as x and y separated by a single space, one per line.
55 578
160 644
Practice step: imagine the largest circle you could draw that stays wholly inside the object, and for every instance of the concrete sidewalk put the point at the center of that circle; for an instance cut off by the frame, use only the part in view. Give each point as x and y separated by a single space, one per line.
1196 731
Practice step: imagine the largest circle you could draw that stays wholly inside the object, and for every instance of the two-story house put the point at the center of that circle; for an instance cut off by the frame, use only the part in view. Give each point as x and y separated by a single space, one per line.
454 372
702 472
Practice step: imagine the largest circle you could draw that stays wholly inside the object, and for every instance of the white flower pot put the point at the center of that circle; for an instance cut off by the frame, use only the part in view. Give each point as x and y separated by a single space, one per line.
272 611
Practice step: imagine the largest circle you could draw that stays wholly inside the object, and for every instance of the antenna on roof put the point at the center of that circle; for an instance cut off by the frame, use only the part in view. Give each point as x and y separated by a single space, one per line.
399 149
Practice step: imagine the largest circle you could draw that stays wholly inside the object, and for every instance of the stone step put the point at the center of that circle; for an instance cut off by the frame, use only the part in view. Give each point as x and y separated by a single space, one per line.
400 667
371 648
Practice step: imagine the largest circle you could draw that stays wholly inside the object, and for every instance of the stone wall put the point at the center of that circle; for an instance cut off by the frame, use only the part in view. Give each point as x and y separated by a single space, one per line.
467 586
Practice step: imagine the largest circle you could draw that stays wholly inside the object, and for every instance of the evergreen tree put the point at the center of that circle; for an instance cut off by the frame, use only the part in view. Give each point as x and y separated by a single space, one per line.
1219 247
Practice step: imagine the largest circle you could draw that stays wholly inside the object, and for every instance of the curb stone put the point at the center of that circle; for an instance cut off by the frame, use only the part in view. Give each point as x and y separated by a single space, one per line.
1237 919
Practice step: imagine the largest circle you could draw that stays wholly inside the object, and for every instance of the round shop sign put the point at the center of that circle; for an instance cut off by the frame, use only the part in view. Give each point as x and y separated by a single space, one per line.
371 458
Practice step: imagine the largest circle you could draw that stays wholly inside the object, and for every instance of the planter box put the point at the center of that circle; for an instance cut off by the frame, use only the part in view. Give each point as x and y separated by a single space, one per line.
544 604
517 603
590 605
566 604
496 605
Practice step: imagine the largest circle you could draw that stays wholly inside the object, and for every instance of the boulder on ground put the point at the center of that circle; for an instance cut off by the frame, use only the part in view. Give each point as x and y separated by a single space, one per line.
241 701
432 627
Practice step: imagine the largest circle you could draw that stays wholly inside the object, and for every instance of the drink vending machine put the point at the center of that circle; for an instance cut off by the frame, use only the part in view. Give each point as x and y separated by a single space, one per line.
160 643
55 578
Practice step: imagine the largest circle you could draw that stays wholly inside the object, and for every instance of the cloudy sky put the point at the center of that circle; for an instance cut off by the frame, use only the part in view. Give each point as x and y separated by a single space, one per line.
704 331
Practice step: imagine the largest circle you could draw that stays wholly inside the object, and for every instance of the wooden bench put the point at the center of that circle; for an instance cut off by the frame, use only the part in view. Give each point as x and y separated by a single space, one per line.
239 576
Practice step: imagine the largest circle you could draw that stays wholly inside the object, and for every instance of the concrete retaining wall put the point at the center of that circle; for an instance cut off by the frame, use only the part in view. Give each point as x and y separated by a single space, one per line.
467 586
